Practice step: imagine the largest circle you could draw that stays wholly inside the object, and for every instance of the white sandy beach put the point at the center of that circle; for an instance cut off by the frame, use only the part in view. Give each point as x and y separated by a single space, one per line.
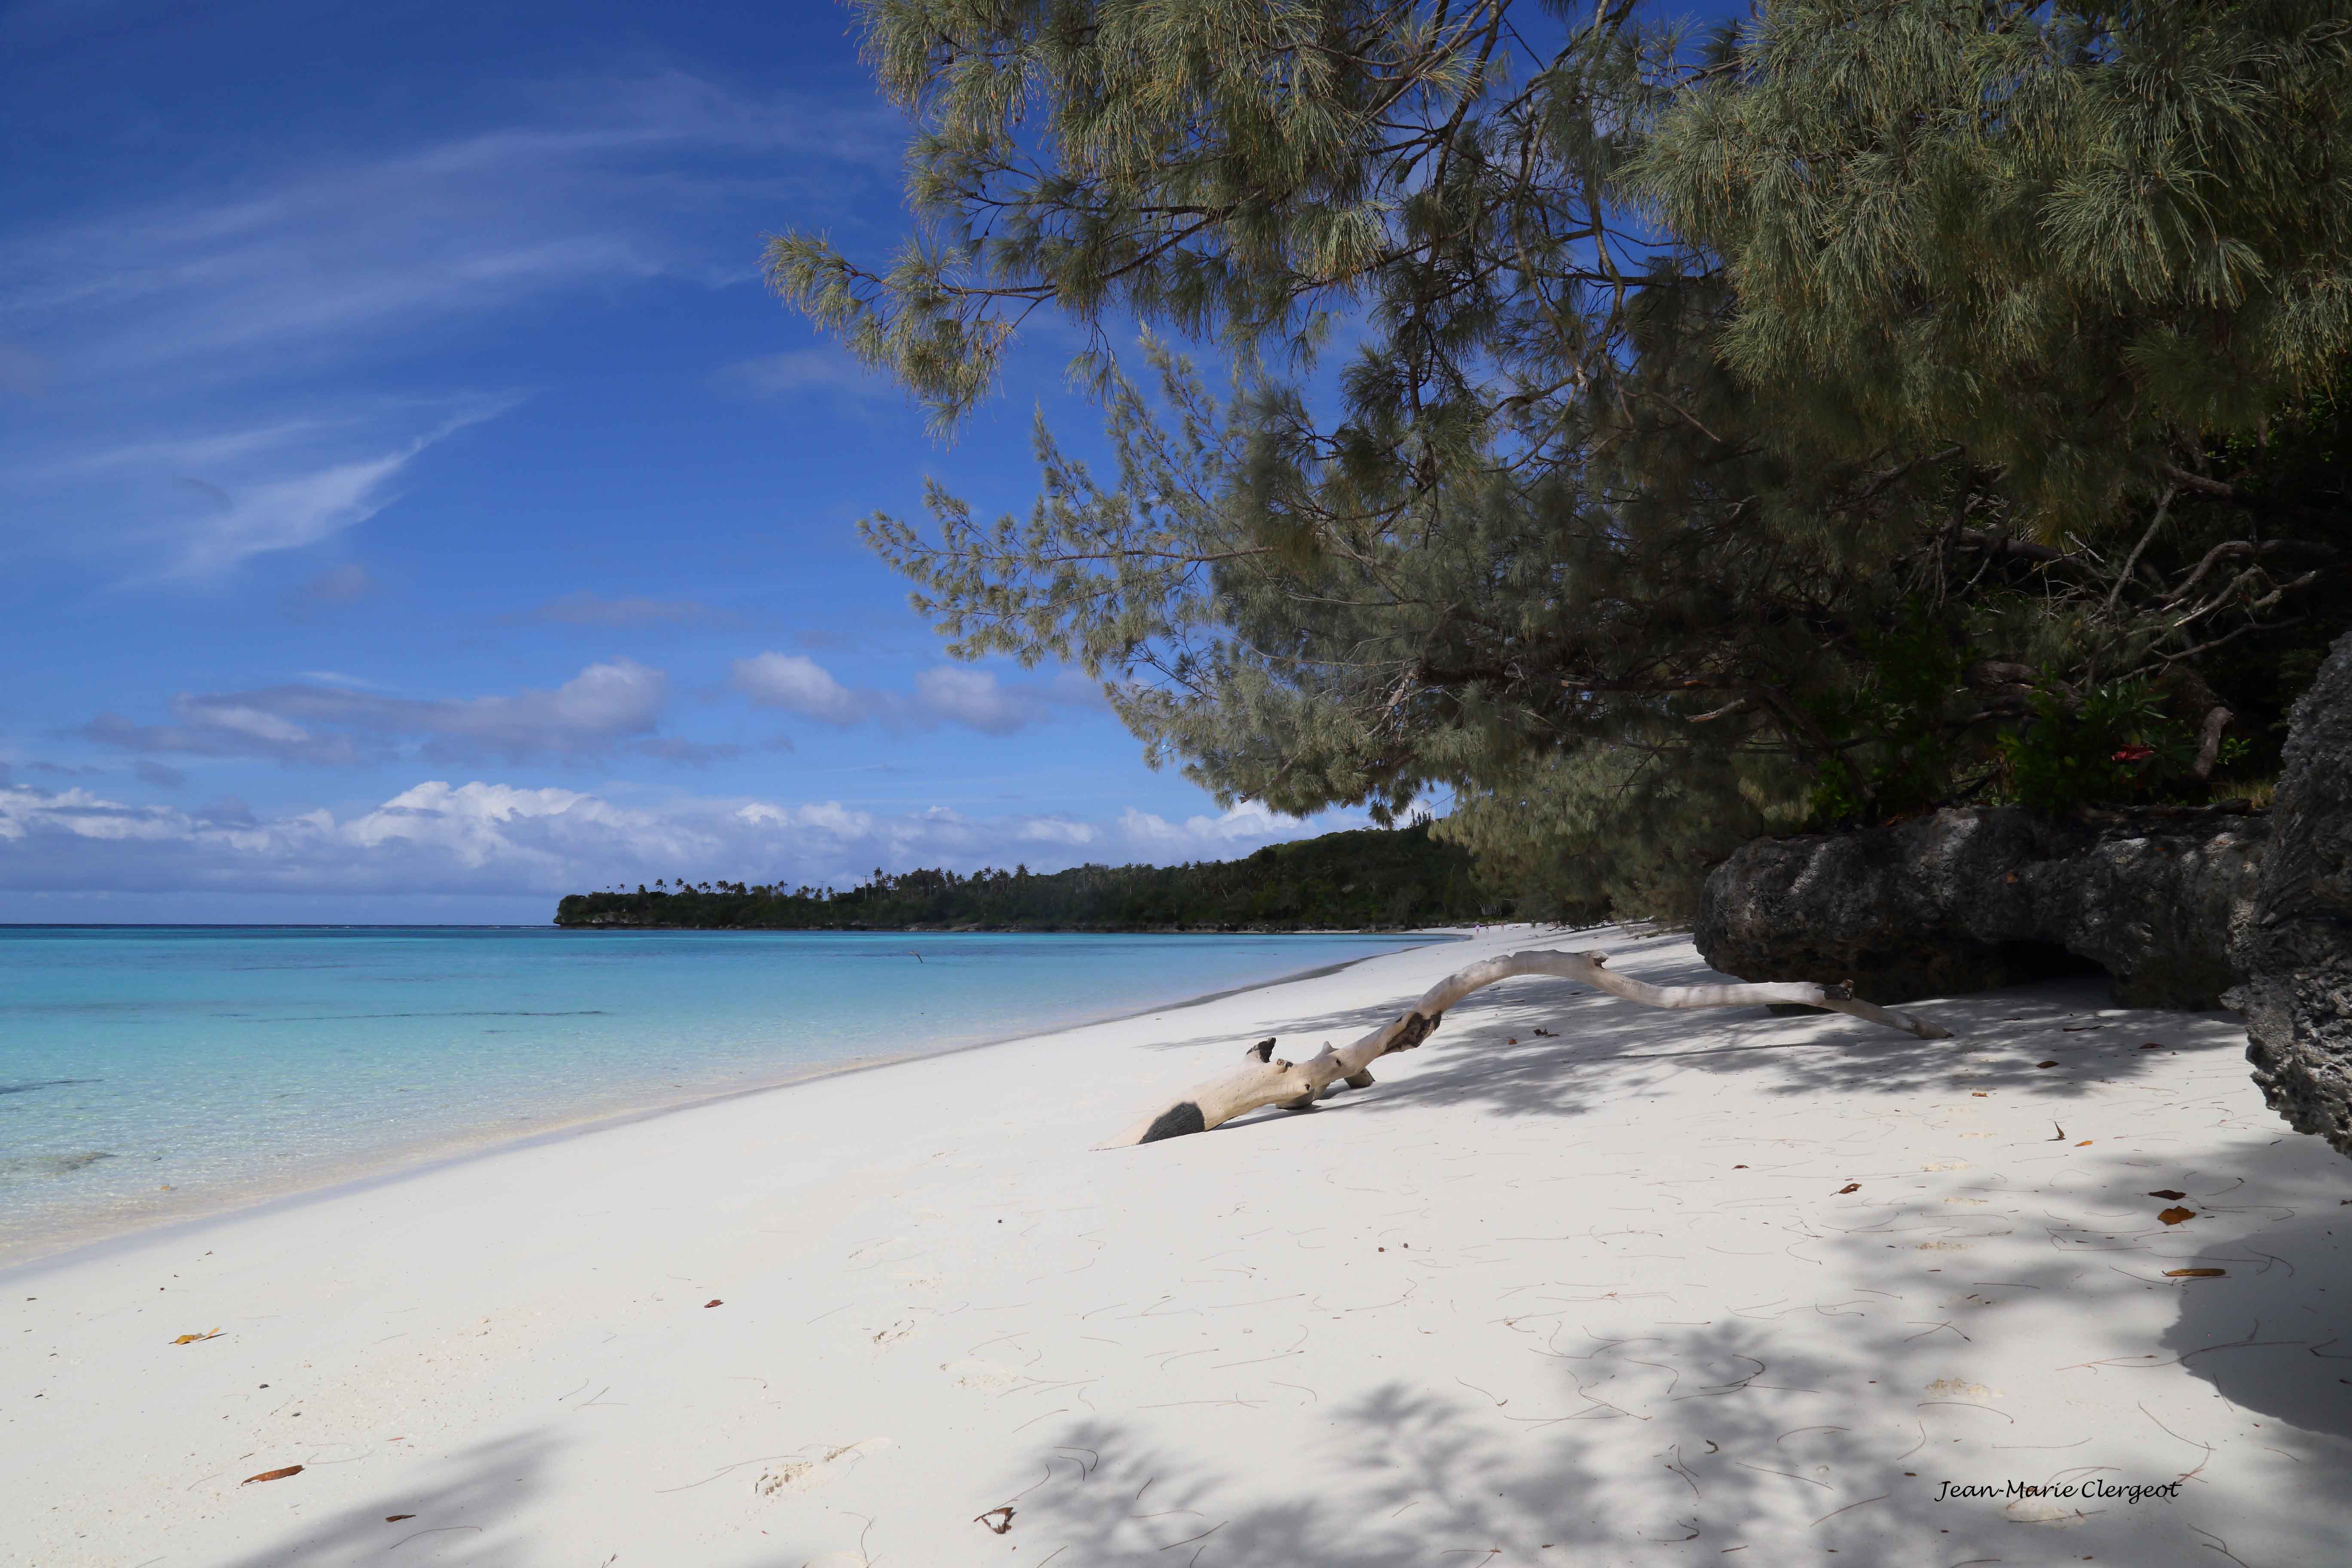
1601 1298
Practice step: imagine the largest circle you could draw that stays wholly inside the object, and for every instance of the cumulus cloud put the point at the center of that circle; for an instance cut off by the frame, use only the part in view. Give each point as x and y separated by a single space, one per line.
486 838
605 707
947 694
1248 822
797 684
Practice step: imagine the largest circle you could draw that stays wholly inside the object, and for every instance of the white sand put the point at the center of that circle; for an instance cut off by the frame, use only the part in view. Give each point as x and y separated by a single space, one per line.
1517 1304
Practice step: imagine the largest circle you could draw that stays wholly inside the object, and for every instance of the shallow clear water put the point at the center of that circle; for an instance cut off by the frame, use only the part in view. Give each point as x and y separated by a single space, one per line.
148 1072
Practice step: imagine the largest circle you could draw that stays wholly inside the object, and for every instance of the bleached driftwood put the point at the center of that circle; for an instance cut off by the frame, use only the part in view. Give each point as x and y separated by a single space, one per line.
1267 1079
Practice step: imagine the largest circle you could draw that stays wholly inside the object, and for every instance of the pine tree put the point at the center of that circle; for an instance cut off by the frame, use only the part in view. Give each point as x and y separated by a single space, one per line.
1805 423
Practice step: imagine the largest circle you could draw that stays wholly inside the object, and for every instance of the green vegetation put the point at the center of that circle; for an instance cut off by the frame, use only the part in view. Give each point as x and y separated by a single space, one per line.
1651 440
1374 879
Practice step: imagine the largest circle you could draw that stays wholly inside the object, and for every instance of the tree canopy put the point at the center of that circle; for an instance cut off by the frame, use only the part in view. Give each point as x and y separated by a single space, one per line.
1647 439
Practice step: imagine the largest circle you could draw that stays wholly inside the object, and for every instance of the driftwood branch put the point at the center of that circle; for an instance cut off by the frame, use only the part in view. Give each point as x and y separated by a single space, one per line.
1265 1078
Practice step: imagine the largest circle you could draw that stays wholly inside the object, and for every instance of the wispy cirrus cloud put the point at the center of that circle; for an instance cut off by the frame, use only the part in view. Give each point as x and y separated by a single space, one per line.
828 371
193 506
607 708
320 260
946 694
151 347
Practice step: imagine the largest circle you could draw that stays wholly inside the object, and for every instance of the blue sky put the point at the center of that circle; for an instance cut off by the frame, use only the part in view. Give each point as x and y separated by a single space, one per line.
415 507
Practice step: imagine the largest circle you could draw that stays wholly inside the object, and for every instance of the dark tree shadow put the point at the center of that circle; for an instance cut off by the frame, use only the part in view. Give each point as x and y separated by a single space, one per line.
471 1517
2274 1332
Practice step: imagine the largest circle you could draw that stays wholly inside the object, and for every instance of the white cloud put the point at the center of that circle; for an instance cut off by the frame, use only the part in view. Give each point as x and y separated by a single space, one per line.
797 684
185 330
1248 822
315 261
486 838
817 369
607 706
946 694
960 695
195 506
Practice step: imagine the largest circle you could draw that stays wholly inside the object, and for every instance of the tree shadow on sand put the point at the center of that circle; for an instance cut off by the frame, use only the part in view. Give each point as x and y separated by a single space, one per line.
468 1514
2274 1332
1789 1429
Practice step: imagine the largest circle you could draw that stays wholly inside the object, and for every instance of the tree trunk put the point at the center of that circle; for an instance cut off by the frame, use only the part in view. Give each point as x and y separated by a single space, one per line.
1267 1079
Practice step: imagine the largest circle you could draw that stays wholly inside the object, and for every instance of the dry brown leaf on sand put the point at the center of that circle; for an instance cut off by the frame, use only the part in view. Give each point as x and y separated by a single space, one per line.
397 1518
2168 1192
1850 1187
2176 1213
999 1520
2195 1273
714 1302
197 1339
272 1474
2045 1064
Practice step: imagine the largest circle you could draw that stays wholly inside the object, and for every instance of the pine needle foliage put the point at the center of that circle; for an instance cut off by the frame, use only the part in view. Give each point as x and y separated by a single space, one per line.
1650 442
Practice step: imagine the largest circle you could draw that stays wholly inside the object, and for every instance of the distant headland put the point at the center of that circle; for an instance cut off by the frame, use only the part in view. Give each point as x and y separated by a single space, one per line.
1371 878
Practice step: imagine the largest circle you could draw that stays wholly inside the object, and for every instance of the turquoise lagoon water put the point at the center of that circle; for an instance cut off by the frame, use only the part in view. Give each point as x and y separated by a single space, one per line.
148 1073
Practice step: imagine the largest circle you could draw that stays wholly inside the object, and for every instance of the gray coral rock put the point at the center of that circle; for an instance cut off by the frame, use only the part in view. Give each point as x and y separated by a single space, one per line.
2296 952
1967 899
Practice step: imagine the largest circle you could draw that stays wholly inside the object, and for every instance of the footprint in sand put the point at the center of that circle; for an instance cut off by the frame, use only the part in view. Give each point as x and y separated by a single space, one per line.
982 1374
824 1466
914 1280
892 1334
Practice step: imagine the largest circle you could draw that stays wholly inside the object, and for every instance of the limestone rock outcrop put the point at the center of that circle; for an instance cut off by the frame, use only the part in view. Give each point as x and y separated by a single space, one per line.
1967 899
2295 952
